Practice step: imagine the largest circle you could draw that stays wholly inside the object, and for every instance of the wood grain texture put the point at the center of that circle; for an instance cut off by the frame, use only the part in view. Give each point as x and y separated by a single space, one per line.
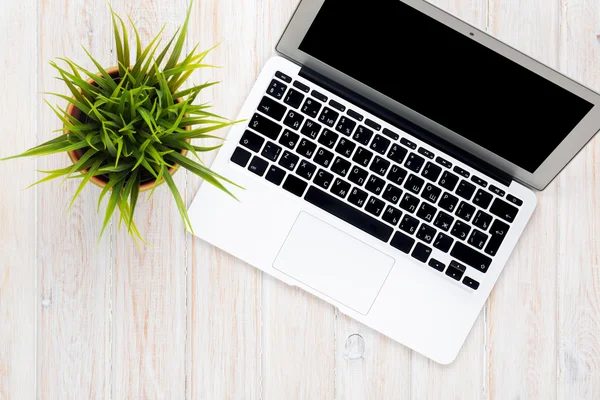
73 337
19 301
182 319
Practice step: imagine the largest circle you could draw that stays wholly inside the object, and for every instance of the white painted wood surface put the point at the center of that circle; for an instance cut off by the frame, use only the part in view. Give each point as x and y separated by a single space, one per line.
182 319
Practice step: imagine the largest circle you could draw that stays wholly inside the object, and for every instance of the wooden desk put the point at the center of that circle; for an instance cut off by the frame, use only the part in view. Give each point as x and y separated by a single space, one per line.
80 319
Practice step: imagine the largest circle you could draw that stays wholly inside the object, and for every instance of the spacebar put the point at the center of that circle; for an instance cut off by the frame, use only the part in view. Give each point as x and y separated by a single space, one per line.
349 214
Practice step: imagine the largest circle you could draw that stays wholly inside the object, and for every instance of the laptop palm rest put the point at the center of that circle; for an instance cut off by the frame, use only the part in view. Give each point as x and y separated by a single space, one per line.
333 263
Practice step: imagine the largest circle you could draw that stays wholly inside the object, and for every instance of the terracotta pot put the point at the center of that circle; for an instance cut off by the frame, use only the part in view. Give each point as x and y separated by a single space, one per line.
101 180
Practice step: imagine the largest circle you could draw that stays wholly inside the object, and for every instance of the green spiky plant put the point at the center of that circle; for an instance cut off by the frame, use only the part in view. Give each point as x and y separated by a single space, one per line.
134 126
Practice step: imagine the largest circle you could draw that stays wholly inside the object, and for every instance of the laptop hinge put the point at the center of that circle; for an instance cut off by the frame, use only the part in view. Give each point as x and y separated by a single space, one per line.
407 126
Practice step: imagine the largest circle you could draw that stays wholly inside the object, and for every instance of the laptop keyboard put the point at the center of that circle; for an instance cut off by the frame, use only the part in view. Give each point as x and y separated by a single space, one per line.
373 179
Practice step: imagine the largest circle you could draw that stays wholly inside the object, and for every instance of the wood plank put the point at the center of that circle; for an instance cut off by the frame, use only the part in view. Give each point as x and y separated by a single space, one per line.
579 221
73 340
149 296
523 361
18 297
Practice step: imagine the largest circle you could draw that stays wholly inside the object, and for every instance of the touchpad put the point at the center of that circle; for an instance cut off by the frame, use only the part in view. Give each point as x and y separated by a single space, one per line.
333 263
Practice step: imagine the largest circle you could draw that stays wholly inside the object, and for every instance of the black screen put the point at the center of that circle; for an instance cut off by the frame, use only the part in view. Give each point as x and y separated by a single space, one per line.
446 76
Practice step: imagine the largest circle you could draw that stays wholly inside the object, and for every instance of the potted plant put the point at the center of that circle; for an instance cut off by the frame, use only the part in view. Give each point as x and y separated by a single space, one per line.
129 128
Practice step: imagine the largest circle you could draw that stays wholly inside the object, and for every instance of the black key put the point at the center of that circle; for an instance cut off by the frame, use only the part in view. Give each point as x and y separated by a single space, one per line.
498 231
431 171
358 176
414 184
409 203
323 179
271 151
289 160
497 191
478 239
319 96
392 215
482 220
306 148
337 105
448 202
421 252
349 214
345 126
470 282
355 115
482 199
328 117
362 157
340 188
275 175
252 141
380 166
460 230
311 129
471 257
271 108
283 77
392 194
426 153
465 190
295 185
397 174
435 264
306 170
258 166
409 224
514 200
341 166
431 193
408 143
311 108
402 242
448 181
375 185
372 124
397 153
414 162
465 211
323 157
374 206
443 242
241 157
380 144
461 172
391 134
328 138
265 126
426 233
276 89
294 98
289 139
301 86
362 135
443 162
358 197
345 147
455 270
444 221
504 210
479 181
426 212
293 119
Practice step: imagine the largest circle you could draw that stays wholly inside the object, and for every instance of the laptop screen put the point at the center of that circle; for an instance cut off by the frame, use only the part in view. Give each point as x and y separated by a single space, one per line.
446 77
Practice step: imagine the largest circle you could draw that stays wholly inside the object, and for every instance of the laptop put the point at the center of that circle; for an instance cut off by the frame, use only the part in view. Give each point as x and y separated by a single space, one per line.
389 157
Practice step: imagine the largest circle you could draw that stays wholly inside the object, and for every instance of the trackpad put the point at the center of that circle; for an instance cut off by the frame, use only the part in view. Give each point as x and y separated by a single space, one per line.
333 263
